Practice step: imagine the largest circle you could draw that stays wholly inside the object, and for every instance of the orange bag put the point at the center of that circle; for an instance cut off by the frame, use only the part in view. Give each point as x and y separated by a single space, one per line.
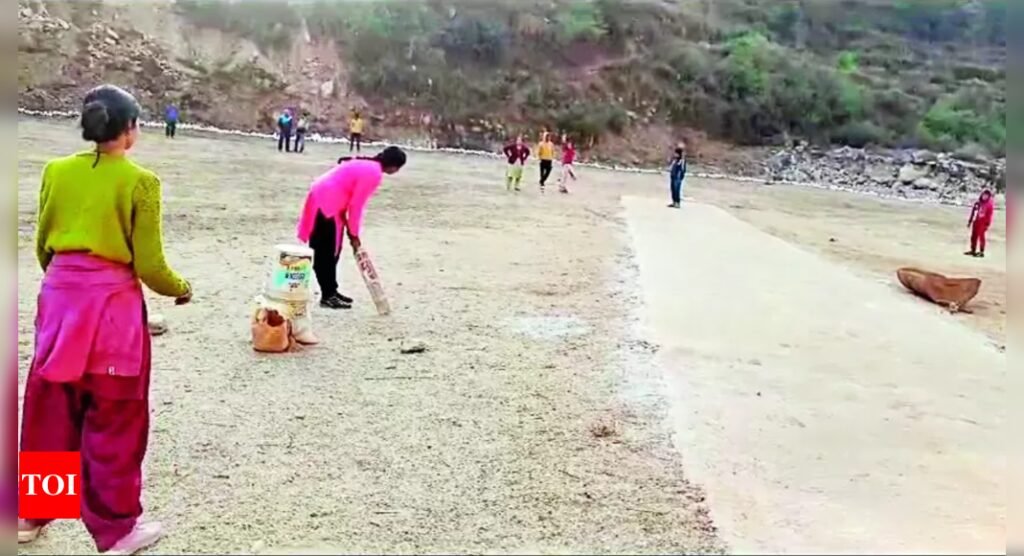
271 332
952 293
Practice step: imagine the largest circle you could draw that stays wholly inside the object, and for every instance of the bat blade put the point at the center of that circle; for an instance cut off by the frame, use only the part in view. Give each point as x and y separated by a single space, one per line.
372 280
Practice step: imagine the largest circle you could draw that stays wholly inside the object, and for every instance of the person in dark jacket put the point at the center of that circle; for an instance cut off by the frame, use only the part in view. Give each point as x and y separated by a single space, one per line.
677 173
285 123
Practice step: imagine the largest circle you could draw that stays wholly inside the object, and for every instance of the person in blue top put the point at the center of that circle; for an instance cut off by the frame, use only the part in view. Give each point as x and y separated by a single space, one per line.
171 120
285 123
676 173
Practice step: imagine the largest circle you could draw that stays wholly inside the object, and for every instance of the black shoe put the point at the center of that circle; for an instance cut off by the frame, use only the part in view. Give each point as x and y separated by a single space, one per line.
343 298
970 253
981 255
334 303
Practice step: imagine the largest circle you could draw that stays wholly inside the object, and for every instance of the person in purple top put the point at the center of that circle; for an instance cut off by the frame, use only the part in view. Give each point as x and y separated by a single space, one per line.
171 120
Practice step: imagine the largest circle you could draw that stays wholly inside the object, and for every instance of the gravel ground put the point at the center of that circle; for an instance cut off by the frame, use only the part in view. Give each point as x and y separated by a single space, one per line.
538 419
535 422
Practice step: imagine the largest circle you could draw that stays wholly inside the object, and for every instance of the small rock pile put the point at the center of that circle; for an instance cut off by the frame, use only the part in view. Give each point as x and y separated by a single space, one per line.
910 174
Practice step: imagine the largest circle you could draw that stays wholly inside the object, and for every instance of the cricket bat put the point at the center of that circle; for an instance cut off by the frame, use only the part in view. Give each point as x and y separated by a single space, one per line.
369 273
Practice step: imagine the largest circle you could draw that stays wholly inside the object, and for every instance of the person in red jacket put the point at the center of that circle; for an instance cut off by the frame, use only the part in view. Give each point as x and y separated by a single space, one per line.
979 222
516 153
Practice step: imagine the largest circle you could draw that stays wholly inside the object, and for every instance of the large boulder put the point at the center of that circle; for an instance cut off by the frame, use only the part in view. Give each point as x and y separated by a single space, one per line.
909 173
926 184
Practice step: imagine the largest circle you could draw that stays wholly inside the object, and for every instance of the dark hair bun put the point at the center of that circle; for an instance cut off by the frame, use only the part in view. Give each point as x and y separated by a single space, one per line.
107 112
94 122
391 157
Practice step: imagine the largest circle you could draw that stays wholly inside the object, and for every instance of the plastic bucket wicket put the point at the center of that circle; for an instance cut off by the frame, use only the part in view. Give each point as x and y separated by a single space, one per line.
292 273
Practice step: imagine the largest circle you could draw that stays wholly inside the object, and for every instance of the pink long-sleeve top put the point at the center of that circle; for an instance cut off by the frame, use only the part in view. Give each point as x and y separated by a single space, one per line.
341 194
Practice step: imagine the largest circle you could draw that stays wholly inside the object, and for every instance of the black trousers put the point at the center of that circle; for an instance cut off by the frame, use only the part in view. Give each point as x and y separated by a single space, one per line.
323 242
355 140
171 128
284 139
300 141
545 171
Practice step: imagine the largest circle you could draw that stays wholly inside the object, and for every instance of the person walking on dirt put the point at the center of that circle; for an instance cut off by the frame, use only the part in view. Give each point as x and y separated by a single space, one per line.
97 237
568 170
355 132
285 124
301 127
546 154
516 153
979 222
336 201
170 121
676 175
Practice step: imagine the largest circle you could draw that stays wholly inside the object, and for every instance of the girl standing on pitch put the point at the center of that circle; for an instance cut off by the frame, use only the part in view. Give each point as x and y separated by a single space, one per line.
568 157
676 174
516 153
546 154
981 218
337 201
98 235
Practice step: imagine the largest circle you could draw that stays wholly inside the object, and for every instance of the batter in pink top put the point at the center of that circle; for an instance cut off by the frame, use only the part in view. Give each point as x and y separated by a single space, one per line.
337 201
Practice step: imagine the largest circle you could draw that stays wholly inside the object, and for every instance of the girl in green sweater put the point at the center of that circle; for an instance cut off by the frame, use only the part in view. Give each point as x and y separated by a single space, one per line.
87 391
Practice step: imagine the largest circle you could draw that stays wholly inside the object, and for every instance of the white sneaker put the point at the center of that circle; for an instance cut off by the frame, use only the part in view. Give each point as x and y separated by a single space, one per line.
143 536
27 531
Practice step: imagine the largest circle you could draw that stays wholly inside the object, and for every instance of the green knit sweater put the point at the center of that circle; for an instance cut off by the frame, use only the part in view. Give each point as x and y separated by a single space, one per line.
111 210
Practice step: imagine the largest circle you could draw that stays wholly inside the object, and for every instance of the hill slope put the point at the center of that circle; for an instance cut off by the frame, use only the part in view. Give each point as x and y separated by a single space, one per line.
621 76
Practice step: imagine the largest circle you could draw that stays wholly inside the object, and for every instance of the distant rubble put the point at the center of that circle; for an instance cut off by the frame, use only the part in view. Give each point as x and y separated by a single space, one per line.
909 174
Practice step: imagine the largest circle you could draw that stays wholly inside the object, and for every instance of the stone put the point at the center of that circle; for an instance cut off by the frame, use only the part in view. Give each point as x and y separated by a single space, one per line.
327 89
924 157
412 346
926 184
910 173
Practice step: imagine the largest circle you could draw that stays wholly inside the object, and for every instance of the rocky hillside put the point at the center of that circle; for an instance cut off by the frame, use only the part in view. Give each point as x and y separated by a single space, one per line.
626 78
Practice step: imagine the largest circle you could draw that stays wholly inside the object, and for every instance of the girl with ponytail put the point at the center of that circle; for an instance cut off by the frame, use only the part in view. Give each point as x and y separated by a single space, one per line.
98 236
337 201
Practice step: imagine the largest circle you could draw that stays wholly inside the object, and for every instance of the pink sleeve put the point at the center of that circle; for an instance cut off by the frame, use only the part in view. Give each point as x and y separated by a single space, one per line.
357 204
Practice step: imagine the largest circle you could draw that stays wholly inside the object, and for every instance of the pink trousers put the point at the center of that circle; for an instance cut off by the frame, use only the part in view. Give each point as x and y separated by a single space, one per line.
111 434
105 417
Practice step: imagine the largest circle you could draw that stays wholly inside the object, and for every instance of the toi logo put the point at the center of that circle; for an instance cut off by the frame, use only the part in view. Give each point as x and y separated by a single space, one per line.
49 485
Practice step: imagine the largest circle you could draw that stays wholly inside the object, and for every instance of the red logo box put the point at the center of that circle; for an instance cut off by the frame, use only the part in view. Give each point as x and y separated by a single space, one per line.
49 485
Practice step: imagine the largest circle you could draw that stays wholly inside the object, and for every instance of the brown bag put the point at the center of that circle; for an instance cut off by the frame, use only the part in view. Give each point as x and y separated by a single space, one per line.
271 332
953 293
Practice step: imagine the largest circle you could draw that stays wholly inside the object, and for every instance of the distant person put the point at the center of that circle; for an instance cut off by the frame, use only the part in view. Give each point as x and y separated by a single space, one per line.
301 128
97 236
981 218
355 132
568 157
171 121
516 153
285 124
677 173
337 201
546 154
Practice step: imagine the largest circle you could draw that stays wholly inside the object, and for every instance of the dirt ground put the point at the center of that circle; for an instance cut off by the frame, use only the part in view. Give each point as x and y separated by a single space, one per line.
537 420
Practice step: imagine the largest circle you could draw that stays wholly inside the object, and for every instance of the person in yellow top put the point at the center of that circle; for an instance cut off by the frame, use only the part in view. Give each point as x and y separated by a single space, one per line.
355 132
546 154
98 235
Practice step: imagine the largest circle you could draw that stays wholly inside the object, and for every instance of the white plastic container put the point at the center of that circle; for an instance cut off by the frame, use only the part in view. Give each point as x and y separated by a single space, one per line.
291 274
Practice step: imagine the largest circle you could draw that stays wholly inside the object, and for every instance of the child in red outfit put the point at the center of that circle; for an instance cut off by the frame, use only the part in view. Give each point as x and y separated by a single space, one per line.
568 157
979 222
